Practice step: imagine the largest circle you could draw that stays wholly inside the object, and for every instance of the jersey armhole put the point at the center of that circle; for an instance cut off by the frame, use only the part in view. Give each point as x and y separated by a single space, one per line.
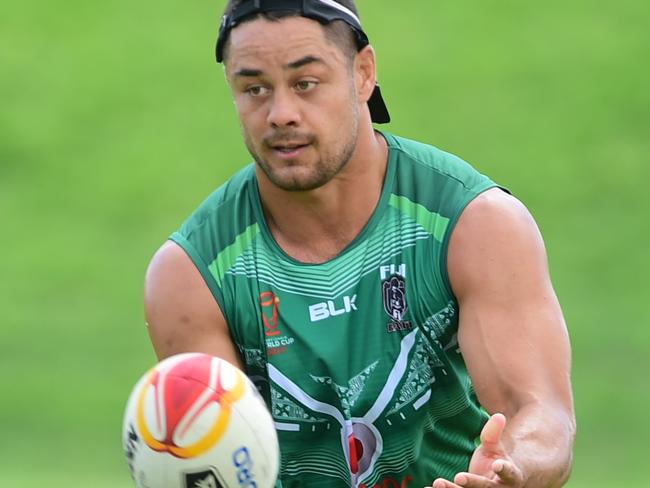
202 266
450 229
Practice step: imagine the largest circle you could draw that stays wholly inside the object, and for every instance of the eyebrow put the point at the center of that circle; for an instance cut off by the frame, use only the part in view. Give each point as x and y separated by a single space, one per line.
252 73
247 72
303 62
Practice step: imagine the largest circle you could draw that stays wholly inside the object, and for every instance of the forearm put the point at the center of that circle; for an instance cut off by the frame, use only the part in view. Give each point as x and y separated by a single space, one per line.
540 439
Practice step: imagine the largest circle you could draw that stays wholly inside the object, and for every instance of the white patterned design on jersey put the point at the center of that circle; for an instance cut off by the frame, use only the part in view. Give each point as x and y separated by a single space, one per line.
355 428
348 394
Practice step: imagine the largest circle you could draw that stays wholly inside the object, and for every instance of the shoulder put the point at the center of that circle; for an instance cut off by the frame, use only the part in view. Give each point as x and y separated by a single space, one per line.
226 198
496 240
428 160
440 182
498 215
498 210
174 287
170 270
181 313
221 219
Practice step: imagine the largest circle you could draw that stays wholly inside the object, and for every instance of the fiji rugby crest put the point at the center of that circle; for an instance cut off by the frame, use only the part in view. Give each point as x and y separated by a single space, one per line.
393 289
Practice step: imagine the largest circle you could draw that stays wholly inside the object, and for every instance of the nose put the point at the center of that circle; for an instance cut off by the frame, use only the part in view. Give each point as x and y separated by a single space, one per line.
284 110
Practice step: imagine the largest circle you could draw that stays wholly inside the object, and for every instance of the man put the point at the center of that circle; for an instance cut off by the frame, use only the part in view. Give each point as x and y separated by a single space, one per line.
361 279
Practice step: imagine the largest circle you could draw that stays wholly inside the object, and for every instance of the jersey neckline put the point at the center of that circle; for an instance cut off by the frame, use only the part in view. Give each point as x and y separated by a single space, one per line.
377 214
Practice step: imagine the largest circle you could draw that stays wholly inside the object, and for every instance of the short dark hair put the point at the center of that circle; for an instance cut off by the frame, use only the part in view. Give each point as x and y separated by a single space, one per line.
337 32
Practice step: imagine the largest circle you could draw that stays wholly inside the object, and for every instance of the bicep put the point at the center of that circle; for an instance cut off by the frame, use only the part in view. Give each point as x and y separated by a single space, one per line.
511 330
181 313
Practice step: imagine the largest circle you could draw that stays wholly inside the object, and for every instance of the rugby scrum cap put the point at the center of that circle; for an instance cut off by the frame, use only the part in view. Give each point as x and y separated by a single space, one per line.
323 11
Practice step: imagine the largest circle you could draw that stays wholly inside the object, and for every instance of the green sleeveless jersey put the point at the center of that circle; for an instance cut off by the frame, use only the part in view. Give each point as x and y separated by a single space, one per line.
357 357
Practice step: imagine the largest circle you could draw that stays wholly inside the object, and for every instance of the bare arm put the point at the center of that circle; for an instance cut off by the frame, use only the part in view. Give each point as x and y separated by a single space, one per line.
514 341
181 312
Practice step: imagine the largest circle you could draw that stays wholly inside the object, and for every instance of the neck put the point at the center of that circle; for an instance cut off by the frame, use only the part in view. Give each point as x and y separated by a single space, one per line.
317 225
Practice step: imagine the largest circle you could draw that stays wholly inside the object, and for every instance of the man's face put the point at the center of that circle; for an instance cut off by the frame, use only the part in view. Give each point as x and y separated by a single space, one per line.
297 100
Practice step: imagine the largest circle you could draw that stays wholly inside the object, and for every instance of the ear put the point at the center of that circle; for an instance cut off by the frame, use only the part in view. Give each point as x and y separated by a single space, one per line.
365 72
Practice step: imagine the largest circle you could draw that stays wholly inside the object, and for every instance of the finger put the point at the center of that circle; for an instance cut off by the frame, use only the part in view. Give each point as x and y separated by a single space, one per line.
443 483
468 480
492 431
508 472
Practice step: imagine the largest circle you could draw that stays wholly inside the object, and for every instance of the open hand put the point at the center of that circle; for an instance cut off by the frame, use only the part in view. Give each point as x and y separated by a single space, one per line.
490 466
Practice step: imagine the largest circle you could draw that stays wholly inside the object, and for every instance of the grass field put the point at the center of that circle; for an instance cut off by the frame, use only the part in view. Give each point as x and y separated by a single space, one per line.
115 123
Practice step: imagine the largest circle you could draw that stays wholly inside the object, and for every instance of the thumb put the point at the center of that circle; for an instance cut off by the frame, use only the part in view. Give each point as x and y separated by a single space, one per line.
492 431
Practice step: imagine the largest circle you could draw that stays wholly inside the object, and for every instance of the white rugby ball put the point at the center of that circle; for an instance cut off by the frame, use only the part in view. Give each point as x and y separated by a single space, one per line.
197 421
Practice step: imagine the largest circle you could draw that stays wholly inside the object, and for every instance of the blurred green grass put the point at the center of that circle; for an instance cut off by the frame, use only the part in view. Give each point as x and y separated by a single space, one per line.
115 123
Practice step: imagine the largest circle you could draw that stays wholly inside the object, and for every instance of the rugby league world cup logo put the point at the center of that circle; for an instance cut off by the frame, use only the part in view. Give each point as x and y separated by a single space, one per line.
270 313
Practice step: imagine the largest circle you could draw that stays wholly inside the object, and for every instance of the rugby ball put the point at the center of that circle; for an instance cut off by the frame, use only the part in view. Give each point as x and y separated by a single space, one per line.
197 421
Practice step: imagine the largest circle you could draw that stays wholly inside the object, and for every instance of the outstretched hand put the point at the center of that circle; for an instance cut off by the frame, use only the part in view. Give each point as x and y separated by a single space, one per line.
490 466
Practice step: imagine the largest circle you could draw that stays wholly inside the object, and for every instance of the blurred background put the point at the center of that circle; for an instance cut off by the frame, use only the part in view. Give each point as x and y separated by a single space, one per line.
115 123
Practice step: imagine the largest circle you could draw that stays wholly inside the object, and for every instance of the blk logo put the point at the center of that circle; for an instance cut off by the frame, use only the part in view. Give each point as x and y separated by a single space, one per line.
330 308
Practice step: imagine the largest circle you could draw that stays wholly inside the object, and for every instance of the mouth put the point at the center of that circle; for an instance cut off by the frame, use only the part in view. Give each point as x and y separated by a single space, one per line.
288 150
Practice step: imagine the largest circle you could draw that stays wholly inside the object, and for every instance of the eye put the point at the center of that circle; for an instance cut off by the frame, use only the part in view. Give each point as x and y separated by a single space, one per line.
257 91
306 85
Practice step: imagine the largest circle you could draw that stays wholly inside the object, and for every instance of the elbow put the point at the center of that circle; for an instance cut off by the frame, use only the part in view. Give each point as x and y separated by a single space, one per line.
571 437
551 453
565 464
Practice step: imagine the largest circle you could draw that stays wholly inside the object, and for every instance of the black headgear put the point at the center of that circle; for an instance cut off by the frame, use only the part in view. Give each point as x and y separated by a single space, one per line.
323 11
